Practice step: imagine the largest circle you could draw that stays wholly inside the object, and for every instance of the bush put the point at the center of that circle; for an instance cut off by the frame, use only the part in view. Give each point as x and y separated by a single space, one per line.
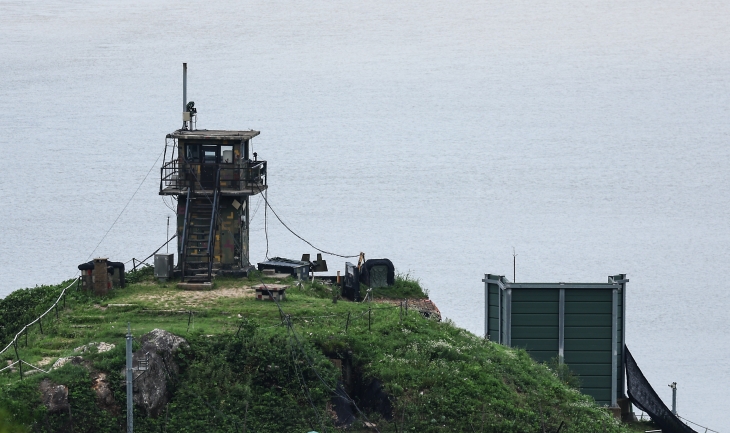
404 286
142 273
564 373
23 306
7 425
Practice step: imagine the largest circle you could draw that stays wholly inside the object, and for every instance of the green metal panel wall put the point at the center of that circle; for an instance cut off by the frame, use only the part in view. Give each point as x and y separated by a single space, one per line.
620 347
621 385
495 308
493 311
535 322
528 316
588 321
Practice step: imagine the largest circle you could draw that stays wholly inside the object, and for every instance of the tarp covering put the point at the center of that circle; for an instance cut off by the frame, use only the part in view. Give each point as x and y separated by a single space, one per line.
644 397
377 273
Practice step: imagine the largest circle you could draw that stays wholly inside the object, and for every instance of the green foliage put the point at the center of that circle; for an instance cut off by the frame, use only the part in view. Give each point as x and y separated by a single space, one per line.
7 425
404 286
143 273
564 373
320 290
243 366
23 306
255 377
443 378
22 401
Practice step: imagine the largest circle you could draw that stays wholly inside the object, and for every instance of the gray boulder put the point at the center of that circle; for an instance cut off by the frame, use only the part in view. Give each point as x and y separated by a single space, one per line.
54 396
104 396
151 389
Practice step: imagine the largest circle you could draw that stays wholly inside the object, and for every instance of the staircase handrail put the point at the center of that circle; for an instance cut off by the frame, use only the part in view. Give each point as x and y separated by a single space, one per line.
213 215
182 253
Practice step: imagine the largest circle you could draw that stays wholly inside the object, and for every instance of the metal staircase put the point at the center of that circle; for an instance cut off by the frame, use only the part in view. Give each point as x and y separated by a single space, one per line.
198 241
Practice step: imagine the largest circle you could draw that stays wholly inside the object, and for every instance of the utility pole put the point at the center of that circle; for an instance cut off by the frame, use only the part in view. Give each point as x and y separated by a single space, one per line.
673 385
130 412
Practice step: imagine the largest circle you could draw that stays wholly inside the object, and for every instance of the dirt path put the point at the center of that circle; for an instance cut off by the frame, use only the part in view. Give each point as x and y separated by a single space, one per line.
196 298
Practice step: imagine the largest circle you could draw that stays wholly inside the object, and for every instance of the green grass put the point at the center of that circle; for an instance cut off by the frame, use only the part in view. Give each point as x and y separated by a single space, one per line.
242 363
405 286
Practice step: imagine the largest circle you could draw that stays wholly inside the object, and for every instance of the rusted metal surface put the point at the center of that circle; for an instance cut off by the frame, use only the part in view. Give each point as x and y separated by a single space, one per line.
100 277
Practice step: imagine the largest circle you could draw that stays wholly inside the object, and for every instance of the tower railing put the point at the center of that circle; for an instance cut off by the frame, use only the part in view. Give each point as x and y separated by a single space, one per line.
176 176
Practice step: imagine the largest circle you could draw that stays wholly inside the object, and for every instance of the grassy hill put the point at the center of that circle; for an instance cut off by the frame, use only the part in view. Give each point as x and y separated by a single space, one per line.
251 366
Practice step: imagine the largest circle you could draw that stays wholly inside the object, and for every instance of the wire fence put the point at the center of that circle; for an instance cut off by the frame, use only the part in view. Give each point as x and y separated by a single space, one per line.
14 341
346 319
685 420
707 429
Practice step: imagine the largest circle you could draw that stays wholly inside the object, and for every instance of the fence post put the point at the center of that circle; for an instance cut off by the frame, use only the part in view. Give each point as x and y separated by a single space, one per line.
369 311
20 363
26 336
347 324
40 323
55 307
335 290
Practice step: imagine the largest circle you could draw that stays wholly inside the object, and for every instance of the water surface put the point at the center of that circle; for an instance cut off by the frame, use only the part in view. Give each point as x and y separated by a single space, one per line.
590 136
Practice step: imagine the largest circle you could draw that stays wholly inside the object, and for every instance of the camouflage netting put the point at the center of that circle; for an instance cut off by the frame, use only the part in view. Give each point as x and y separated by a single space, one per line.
644 397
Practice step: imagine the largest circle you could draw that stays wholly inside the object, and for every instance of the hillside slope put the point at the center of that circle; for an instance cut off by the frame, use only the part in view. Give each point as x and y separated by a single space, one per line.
256 366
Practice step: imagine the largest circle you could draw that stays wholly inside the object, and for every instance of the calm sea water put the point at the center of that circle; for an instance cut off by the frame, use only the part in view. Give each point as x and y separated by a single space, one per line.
590 136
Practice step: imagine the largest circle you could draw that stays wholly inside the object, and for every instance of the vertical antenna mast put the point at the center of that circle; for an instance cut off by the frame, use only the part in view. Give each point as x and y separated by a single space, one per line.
514 265
186 114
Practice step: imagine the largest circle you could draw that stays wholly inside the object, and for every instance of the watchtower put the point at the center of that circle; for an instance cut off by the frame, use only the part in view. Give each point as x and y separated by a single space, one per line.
212 175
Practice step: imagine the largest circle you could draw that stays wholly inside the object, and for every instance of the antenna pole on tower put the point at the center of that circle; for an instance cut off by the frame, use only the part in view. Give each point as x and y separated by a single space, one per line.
514 266
186 119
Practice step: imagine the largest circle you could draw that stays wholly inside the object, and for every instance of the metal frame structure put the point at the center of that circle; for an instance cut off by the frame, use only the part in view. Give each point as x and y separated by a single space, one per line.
570 321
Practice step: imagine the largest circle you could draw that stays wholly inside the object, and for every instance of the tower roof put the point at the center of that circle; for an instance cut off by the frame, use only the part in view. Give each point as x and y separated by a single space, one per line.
213 134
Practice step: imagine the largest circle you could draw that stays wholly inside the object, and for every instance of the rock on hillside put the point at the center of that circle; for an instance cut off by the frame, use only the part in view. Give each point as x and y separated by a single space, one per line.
54 396
151 388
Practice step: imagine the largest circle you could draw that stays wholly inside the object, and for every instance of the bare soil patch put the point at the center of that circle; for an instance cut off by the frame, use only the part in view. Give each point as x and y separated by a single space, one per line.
195 298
